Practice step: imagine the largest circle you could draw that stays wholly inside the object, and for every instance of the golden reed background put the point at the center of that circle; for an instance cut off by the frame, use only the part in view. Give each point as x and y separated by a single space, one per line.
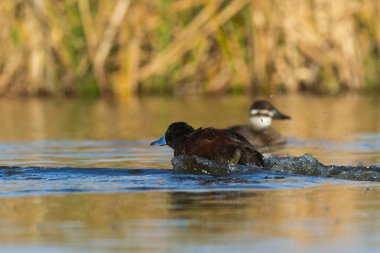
128 47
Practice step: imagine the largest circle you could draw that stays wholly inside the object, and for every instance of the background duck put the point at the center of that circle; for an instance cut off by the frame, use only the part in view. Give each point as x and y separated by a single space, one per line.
213 144
259 131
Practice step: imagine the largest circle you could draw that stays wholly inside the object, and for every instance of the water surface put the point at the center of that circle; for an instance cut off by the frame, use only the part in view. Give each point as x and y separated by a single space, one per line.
81 176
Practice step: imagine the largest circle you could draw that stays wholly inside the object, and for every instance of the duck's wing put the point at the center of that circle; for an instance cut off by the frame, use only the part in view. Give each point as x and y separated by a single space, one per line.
205 143
219 145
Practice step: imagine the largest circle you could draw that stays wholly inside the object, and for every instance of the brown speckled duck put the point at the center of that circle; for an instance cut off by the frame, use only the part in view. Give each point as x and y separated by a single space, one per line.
259 131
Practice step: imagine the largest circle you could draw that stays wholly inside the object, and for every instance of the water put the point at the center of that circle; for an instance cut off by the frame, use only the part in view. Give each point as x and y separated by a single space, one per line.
81 176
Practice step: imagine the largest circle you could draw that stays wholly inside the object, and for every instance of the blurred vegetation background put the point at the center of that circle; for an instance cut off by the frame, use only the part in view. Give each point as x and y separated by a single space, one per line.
97 48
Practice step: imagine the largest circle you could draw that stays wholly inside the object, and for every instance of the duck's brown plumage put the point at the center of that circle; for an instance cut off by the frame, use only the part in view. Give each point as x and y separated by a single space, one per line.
214 144
221 145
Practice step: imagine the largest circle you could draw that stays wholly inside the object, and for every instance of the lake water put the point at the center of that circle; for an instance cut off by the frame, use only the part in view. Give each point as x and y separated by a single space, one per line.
80 176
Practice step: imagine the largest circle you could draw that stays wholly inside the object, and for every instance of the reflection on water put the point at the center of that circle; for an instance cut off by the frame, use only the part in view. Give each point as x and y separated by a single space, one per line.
116 154
337 129
326 218
98 186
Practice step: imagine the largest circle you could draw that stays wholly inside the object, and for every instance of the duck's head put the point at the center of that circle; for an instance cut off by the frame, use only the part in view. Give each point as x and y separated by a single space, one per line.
261 114
174 135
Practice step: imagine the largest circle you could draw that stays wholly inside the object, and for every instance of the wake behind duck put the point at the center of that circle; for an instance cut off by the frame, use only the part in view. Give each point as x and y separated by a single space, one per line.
305 165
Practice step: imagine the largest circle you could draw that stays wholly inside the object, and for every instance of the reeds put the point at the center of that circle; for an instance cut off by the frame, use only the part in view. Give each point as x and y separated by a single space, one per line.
129 47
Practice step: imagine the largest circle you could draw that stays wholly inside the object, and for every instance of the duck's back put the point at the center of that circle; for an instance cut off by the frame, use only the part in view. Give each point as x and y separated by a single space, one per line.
221 145
265 137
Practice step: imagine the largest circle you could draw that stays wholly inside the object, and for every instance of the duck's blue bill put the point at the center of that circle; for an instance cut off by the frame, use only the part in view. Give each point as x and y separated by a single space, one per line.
159 142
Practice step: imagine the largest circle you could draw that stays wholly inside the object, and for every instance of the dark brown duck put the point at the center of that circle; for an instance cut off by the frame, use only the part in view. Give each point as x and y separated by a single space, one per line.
213 144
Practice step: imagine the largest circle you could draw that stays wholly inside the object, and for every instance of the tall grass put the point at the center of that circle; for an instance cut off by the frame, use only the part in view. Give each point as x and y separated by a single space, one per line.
129 47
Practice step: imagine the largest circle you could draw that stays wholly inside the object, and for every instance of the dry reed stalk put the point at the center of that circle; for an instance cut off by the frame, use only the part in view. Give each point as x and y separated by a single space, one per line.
8 72
107 41
181 43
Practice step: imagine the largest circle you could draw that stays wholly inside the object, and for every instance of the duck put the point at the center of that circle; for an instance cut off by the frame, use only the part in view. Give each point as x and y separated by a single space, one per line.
219 145
259 131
